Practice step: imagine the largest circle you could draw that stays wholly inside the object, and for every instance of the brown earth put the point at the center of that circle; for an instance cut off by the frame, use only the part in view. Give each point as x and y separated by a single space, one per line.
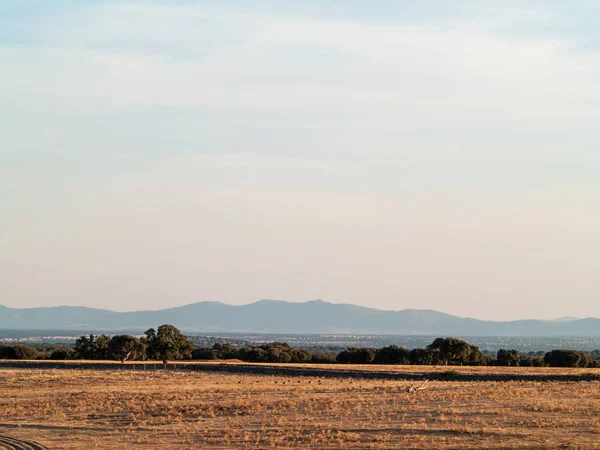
68 409
9 443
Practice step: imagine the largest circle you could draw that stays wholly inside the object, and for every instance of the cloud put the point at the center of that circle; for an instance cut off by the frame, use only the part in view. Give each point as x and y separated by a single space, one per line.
334 153
196 57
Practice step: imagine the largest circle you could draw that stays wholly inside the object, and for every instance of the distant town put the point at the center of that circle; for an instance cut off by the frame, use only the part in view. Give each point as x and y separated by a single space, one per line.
488 344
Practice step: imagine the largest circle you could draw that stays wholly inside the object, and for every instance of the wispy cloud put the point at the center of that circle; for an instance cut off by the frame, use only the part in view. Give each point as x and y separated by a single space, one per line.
401 133
137 56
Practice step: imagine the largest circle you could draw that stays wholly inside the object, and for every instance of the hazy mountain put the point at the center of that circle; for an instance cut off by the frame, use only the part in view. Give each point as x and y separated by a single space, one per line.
271 316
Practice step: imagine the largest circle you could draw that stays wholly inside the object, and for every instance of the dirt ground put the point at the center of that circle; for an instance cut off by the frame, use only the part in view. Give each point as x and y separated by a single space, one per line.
69 409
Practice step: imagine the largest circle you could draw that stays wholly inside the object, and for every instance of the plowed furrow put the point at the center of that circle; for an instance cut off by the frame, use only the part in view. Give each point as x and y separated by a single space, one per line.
8 443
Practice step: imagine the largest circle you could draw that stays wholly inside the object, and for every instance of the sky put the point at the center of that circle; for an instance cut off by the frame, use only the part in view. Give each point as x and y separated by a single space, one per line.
429 155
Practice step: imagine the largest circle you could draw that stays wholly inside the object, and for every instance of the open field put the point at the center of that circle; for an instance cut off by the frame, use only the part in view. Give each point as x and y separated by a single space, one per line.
67 409
421 369
380 371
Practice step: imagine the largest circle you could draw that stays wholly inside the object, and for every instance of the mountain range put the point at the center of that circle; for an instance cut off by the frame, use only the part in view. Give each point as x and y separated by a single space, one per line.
274 316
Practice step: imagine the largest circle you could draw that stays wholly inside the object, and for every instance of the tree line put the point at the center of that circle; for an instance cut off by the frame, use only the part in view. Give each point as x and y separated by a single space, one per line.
165 344
168 343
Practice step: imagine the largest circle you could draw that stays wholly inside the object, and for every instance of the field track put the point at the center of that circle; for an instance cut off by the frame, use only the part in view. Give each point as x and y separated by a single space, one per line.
452 374
8 443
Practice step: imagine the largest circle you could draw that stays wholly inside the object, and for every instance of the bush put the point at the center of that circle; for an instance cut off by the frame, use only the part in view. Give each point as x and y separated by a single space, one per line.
6 352
62 354
23 351
392 354
356 356
253 354
125 347
92 347
19 351
508 357
323 357
476 357
205 354
423 356
567 358
532 361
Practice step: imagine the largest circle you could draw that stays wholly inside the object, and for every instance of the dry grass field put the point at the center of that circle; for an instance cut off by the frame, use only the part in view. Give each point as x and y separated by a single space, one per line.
68 409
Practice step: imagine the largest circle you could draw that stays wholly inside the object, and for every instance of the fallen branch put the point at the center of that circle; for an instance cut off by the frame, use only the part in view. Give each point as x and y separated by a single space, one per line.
421 387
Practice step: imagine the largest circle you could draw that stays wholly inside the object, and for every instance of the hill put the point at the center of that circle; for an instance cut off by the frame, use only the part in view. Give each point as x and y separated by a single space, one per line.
272 316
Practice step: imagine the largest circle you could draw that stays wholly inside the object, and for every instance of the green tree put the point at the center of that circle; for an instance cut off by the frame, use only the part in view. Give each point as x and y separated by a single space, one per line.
476 357
300 355
451 350
424 356
85 347
19 351
356 355
102 351
275 354
508 357
254 354
62 353
323 357
392 354
531 361
205 353
167 343
23 351
125 347
567 358
92 347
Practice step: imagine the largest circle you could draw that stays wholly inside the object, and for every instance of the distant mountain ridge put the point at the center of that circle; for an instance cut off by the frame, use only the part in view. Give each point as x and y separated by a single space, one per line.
275 316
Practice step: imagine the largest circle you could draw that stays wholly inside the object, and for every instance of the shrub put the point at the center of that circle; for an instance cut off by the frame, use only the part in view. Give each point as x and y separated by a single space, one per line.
392 354
62 354
355 355
567 358
323 357
22 351
508 357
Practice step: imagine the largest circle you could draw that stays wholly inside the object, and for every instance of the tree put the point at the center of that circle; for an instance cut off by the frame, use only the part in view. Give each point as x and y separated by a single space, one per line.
300 355
167 343
92 347
254 354
423 356
276 355
451 349
23 351
85 347
392 354
225 350
476 357
508 357
323 357
62 353
125 347
567 358
354 355
531 361
277 352
102 351
19 351
205 353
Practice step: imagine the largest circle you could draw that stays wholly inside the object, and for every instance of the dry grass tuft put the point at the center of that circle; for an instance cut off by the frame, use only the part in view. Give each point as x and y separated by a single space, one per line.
94 409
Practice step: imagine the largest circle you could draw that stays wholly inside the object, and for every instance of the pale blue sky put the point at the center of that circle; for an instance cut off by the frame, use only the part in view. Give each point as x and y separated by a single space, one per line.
390 154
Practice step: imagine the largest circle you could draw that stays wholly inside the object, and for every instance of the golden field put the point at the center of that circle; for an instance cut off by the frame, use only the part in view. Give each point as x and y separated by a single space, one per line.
69 409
